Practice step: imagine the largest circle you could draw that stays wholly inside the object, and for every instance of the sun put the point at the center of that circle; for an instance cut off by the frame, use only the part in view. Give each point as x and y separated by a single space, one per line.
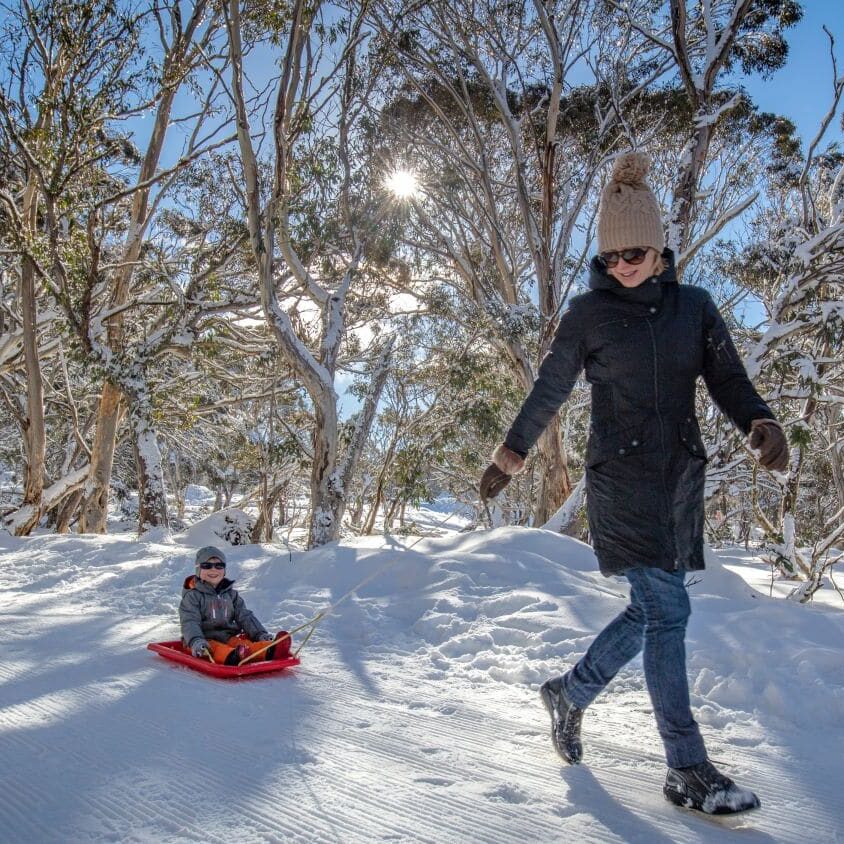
402 184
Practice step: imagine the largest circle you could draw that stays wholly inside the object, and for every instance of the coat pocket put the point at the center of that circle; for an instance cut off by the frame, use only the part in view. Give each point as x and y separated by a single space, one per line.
620 445
689 434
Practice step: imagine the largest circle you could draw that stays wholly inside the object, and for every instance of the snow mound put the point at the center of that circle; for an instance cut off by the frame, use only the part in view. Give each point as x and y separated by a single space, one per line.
195 494
232 526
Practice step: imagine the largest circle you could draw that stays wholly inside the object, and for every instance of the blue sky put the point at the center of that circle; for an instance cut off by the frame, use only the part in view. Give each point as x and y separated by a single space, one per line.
802 90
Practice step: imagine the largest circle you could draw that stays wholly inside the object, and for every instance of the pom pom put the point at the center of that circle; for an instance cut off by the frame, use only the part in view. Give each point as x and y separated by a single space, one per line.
631 169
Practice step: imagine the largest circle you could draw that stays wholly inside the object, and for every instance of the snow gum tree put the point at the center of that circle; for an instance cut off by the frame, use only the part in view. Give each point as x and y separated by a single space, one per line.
52 85
307 266
512 153
184 38
663 80
97 195
443 407
794 264
706 41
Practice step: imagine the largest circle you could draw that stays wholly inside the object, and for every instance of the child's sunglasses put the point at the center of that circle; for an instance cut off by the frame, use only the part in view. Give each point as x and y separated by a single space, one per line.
633 256
207 566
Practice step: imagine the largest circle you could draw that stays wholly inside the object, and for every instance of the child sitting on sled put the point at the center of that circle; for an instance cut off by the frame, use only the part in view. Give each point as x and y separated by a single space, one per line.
215 621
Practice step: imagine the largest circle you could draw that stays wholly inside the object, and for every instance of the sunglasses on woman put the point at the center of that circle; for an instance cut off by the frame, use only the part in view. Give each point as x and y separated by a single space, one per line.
632 256
207 566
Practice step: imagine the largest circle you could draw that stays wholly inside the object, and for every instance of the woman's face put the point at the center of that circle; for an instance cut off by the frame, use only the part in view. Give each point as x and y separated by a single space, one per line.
632 275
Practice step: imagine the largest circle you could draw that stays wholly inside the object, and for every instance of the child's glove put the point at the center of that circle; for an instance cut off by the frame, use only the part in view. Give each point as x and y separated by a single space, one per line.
198 647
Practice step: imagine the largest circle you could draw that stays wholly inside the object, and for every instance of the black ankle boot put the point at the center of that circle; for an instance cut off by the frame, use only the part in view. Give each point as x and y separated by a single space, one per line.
704 788
237 655
565 720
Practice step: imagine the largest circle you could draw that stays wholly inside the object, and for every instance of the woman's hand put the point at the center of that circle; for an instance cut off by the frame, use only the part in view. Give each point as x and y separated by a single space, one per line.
505 464
768 439
493 481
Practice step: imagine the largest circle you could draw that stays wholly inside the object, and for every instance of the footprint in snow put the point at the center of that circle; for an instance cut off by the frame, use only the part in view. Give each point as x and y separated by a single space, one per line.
434 781
507 794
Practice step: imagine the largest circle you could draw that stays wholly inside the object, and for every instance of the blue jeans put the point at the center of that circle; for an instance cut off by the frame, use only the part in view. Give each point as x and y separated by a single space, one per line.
656 619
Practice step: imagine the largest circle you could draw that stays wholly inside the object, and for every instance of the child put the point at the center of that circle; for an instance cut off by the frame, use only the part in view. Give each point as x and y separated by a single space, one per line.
215 619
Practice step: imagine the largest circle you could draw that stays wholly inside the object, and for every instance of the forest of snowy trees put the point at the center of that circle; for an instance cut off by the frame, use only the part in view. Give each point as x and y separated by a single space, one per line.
310 255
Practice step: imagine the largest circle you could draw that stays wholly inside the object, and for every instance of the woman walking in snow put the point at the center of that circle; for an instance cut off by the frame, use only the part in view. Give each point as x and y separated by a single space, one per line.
643 340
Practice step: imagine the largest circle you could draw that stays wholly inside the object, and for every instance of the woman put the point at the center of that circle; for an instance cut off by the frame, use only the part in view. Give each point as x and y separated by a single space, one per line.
643 340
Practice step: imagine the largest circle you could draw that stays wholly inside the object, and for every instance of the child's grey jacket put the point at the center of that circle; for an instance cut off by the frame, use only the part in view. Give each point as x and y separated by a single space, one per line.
208 613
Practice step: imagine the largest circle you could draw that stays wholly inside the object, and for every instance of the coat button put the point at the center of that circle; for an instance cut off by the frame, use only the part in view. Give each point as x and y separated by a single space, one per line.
635 443
622 450
653 310
654 280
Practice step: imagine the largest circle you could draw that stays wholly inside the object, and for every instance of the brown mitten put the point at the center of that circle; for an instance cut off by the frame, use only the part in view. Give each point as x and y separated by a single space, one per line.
505 464
766 436
493 481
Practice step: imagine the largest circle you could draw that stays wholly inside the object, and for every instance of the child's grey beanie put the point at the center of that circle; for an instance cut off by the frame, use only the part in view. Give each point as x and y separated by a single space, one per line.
206 553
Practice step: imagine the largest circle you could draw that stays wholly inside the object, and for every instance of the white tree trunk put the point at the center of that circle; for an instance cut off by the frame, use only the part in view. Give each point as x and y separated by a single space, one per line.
52 496
94 509
35 439
95 506
565 518
152 498
269 226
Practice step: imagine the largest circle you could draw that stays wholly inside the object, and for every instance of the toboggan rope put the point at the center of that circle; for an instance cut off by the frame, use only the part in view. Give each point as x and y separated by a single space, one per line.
324 613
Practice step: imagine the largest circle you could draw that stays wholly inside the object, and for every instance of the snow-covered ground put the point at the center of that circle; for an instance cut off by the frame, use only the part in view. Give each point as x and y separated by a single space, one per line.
414 715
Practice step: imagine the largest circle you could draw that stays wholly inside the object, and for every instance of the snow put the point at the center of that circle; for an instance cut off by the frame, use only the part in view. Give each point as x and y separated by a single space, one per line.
414 715
198 495
223 527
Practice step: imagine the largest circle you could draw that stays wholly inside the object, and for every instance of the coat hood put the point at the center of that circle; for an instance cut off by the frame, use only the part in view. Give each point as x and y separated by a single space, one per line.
193 582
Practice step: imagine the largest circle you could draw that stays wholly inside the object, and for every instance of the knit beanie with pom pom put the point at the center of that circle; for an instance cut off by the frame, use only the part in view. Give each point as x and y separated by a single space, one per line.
629 214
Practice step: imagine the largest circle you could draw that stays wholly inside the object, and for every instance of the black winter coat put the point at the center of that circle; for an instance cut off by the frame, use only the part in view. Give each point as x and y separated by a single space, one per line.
642 349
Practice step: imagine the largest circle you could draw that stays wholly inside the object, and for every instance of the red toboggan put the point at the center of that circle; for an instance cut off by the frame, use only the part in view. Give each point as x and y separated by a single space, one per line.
176 652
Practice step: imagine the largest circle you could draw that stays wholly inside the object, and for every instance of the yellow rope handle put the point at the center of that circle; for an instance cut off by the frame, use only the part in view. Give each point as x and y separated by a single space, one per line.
305 640
312 622
289 635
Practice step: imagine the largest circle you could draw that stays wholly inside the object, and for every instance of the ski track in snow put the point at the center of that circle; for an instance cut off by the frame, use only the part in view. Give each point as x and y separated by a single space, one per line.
414 715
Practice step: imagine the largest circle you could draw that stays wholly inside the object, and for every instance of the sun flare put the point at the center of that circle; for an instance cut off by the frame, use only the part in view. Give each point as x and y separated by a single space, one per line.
402 184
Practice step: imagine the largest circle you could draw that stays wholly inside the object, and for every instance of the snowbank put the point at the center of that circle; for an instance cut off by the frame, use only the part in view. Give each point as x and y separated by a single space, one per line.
414 715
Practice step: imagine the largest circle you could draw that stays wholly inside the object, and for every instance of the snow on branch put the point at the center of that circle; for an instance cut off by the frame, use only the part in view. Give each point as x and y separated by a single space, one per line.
723 219
363 422
52 495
